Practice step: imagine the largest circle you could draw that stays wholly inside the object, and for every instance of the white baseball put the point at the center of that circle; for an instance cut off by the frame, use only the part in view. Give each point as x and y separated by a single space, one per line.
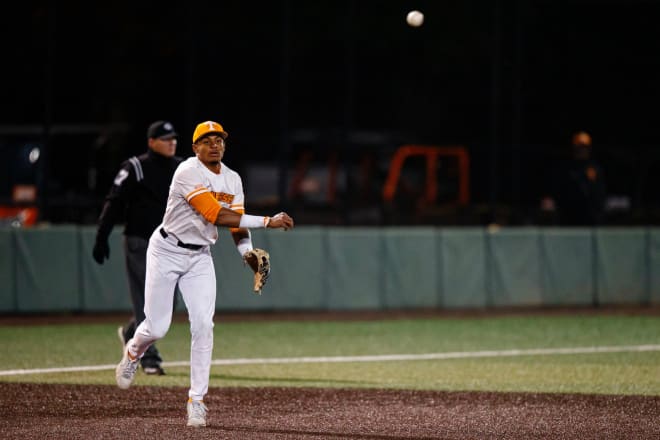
415 18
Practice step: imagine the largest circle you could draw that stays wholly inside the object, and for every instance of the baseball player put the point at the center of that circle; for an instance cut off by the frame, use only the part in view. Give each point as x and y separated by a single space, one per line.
139 193
204 194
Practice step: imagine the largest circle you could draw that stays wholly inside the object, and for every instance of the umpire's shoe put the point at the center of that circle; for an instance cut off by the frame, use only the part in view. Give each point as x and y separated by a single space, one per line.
125 371
155 370
151 362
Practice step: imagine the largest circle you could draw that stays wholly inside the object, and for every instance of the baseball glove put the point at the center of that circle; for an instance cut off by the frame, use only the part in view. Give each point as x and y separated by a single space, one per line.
259 262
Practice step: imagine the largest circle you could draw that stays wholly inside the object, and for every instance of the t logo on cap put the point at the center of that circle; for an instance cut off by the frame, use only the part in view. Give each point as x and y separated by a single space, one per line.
208 127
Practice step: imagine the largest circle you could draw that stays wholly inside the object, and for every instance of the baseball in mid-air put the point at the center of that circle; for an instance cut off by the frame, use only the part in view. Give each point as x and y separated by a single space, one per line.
415 18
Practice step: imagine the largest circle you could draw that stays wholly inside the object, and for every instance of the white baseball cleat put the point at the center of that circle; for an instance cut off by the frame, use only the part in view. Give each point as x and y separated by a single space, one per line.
196 413
125 371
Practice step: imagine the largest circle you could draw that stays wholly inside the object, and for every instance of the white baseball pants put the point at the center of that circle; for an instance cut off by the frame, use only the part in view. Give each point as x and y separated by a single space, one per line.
167 265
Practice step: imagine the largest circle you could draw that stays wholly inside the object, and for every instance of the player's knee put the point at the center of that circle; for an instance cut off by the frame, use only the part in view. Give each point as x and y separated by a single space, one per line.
151 330
202 327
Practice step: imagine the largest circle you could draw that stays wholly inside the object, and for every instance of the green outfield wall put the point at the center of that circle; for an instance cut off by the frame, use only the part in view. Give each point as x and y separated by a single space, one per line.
50 269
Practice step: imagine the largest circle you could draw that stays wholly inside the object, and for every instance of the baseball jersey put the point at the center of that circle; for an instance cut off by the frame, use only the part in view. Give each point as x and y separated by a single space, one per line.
193 178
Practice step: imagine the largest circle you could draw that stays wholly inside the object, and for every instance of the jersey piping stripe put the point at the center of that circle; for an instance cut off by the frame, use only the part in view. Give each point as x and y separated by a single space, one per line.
196 192
137 166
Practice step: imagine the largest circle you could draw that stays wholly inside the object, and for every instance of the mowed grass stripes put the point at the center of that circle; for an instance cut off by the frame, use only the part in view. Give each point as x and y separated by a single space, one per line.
612 373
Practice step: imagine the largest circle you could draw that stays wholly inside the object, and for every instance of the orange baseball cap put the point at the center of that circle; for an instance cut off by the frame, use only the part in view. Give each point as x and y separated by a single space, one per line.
207 127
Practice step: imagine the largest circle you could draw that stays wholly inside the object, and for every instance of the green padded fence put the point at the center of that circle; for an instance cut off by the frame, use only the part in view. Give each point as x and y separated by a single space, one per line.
7 271
462 268
622 266
567 266
50 269
653 273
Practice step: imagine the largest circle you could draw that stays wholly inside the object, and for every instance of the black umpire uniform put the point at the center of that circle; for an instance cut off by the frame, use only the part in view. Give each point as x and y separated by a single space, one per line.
139 195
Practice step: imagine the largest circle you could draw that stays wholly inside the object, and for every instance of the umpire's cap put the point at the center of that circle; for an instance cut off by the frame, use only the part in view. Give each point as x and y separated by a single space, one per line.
161 130
208 127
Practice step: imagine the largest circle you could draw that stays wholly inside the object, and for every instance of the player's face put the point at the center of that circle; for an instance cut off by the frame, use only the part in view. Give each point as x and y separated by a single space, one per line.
164 147
210 149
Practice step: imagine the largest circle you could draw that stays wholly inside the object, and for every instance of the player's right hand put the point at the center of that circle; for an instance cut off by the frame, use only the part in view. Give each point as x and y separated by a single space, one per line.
101 251
281 220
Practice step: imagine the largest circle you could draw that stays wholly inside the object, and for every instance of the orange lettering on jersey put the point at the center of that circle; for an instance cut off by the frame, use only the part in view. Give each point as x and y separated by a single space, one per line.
223 197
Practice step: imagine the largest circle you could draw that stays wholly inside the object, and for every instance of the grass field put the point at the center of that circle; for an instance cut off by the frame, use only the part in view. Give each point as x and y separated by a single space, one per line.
619 372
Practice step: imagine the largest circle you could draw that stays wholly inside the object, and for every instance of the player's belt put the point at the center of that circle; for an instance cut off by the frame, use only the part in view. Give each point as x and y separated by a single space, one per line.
194 247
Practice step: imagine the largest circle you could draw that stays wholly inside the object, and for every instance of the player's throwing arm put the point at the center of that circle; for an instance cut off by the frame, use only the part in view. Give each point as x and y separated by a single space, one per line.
215 192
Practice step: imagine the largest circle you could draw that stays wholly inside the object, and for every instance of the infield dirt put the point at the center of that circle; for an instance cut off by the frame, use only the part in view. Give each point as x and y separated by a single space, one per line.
33 411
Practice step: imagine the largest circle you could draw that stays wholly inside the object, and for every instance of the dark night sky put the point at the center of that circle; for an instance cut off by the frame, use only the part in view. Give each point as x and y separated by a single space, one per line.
510 82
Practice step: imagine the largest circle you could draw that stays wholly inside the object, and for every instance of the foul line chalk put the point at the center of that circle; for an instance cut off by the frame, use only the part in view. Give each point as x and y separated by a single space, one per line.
366 358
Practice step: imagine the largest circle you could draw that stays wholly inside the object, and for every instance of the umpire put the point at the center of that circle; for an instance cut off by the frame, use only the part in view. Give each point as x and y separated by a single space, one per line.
139 195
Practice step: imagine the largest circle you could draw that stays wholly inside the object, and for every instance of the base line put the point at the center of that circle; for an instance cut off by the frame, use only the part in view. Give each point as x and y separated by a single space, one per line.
366 358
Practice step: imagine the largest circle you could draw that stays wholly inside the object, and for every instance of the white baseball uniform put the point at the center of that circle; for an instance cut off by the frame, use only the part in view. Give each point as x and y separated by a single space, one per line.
179 253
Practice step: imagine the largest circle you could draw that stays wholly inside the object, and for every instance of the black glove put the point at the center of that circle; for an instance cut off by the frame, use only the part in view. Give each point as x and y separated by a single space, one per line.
101 251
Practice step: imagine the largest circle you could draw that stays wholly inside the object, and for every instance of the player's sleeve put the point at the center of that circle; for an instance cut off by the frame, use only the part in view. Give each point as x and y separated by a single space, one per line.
189 184
116 200
238 204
